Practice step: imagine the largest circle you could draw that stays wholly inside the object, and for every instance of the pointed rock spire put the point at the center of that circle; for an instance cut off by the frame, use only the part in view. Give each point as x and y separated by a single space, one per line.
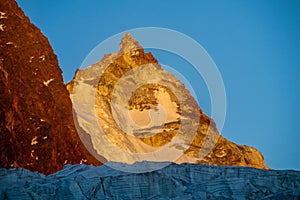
128 43
131 70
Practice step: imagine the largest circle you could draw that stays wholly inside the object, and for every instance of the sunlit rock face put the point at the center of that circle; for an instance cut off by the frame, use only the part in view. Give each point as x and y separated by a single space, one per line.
129 109
185 181
37 130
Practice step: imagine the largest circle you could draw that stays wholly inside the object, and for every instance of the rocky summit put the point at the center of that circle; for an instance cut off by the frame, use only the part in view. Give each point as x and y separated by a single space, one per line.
125 111
184 181
128 109
37 130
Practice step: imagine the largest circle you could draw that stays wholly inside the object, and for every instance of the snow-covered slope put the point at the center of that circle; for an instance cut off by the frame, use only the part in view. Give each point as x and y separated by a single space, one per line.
184 181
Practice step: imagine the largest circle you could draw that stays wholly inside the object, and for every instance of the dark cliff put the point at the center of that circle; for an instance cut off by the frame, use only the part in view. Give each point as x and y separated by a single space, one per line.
37 131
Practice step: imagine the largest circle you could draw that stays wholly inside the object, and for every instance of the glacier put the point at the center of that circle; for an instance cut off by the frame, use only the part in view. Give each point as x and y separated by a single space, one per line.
174 181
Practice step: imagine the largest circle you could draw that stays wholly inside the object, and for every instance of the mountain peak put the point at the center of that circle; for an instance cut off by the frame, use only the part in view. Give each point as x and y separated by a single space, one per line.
134 84
128 43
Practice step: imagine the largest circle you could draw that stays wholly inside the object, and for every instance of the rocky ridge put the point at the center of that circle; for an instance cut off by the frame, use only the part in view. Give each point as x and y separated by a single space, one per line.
37 130
36 121
129 93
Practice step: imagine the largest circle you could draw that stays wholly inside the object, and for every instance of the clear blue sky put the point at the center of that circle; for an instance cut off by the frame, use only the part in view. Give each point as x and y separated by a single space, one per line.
255 44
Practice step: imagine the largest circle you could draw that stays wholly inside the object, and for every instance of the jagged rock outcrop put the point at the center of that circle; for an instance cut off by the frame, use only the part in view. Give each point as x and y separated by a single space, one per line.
147 114
36 122
184 181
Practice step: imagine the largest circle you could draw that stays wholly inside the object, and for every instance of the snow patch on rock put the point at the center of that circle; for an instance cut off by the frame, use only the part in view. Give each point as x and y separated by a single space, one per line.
2 15
33 141
2 27
46 83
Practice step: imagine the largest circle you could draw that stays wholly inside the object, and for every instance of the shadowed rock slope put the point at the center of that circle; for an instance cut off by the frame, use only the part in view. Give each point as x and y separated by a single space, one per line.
130 85
37 130
184 181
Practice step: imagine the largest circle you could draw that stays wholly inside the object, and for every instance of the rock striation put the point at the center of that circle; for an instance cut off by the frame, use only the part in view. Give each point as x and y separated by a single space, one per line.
143 109
184 181
37 130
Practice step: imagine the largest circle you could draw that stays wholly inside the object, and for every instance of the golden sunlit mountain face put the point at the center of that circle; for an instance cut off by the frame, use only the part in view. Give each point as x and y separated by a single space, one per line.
133 110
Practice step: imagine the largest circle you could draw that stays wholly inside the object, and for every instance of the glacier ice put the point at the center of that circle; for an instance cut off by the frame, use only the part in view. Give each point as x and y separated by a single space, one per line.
183 181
